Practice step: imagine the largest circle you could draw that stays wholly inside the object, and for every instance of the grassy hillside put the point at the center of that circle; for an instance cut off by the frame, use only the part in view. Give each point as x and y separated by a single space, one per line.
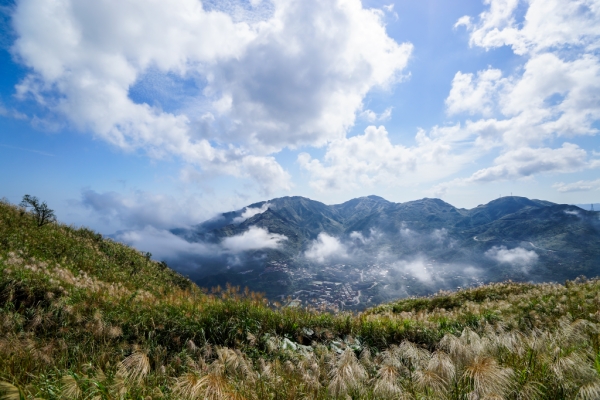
85 317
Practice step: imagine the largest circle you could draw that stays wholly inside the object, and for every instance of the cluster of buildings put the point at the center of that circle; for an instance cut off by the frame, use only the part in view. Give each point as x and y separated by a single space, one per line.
344 286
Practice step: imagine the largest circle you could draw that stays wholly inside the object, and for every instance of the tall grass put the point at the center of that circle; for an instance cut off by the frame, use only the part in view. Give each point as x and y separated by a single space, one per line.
82 316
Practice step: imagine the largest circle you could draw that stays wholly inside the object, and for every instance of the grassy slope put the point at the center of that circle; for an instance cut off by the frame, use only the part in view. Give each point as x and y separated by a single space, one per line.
85 316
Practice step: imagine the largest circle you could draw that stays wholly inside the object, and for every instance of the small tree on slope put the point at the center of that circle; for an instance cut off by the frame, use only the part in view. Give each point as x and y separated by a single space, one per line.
43 214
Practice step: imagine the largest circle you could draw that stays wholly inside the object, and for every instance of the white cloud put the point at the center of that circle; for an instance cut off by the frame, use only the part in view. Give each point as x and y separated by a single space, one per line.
390 9
253 239
196 257
372 116
4 112
267 83
416 268
371 158
474 96
325 248
525 162
316 78
163 244
528 162
579 186
553 97
439 236
555 93
550 97
142 209
264 171
250 212
517 256
359 237
547 25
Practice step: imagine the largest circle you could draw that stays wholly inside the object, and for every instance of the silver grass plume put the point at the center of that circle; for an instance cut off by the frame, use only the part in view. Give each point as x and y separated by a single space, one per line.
70 388
387 384
487 377
135 367
9 391
346 374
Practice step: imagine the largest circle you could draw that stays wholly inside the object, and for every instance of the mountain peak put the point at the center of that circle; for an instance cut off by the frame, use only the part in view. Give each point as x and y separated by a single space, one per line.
378 198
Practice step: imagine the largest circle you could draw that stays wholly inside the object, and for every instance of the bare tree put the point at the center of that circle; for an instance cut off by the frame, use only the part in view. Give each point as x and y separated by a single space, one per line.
43 214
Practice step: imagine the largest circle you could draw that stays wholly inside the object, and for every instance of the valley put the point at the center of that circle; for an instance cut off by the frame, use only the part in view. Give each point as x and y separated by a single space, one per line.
368 251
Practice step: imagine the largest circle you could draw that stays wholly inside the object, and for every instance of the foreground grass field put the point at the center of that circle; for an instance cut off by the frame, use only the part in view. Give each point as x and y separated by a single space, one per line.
83 317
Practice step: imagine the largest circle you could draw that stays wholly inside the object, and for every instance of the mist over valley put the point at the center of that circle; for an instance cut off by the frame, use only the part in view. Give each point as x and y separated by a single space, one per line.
368 250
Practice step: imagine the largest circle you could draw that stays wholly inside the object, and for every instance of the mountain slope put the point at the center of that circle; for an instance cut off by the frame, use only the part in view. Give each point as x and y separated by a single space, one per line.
82 316
419 246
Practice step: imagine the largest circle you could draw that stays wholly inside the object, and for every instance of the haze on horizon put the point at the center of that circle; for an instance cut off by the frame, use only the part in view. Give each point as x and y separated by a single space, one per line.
134 115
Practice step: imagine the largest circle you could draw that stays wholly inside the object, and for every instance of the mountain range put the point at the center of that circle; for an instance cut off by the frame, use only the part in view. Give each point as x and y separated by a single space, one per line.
395 249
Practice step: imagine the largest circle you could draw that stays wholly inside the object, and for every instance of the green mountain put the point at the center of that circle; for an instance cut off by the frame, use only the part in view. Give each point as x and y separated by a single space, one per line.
427 242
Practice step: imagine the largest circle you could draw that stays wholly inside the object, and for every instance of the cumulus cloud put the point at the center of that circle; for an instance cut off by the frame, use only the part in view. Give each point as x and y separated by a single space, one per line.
554 94
550 97
253 239
250 212
474 96
517 256
524 162
325 248
371 158
316 78
547 24
579 186
261 80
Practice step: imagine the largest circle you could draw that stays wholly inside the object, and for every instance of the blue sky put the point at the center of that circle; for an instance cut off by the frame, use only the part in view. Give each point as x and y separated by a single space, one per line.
131 114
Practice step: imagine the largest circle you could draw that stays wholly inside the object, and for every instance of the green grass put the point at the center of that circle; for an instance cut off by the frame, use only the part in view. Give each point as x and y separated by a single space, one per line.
82 316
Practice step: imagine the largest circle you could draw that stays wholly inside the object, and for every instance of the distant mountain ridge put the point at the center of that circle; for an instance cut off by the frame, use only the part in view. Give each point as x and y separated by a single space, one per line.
306 219
508 238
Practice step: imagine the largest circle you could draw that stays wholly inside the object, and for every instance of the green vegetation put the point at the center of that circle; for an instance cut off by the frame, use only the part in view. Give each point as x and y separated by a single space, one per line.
83 317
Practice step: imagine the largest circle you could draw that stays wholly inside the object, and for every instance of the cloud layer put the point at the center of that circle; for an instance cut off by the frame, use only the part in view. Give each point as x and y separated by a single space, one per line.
225 87
554 94
141 209
529 115
257 82
371 158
